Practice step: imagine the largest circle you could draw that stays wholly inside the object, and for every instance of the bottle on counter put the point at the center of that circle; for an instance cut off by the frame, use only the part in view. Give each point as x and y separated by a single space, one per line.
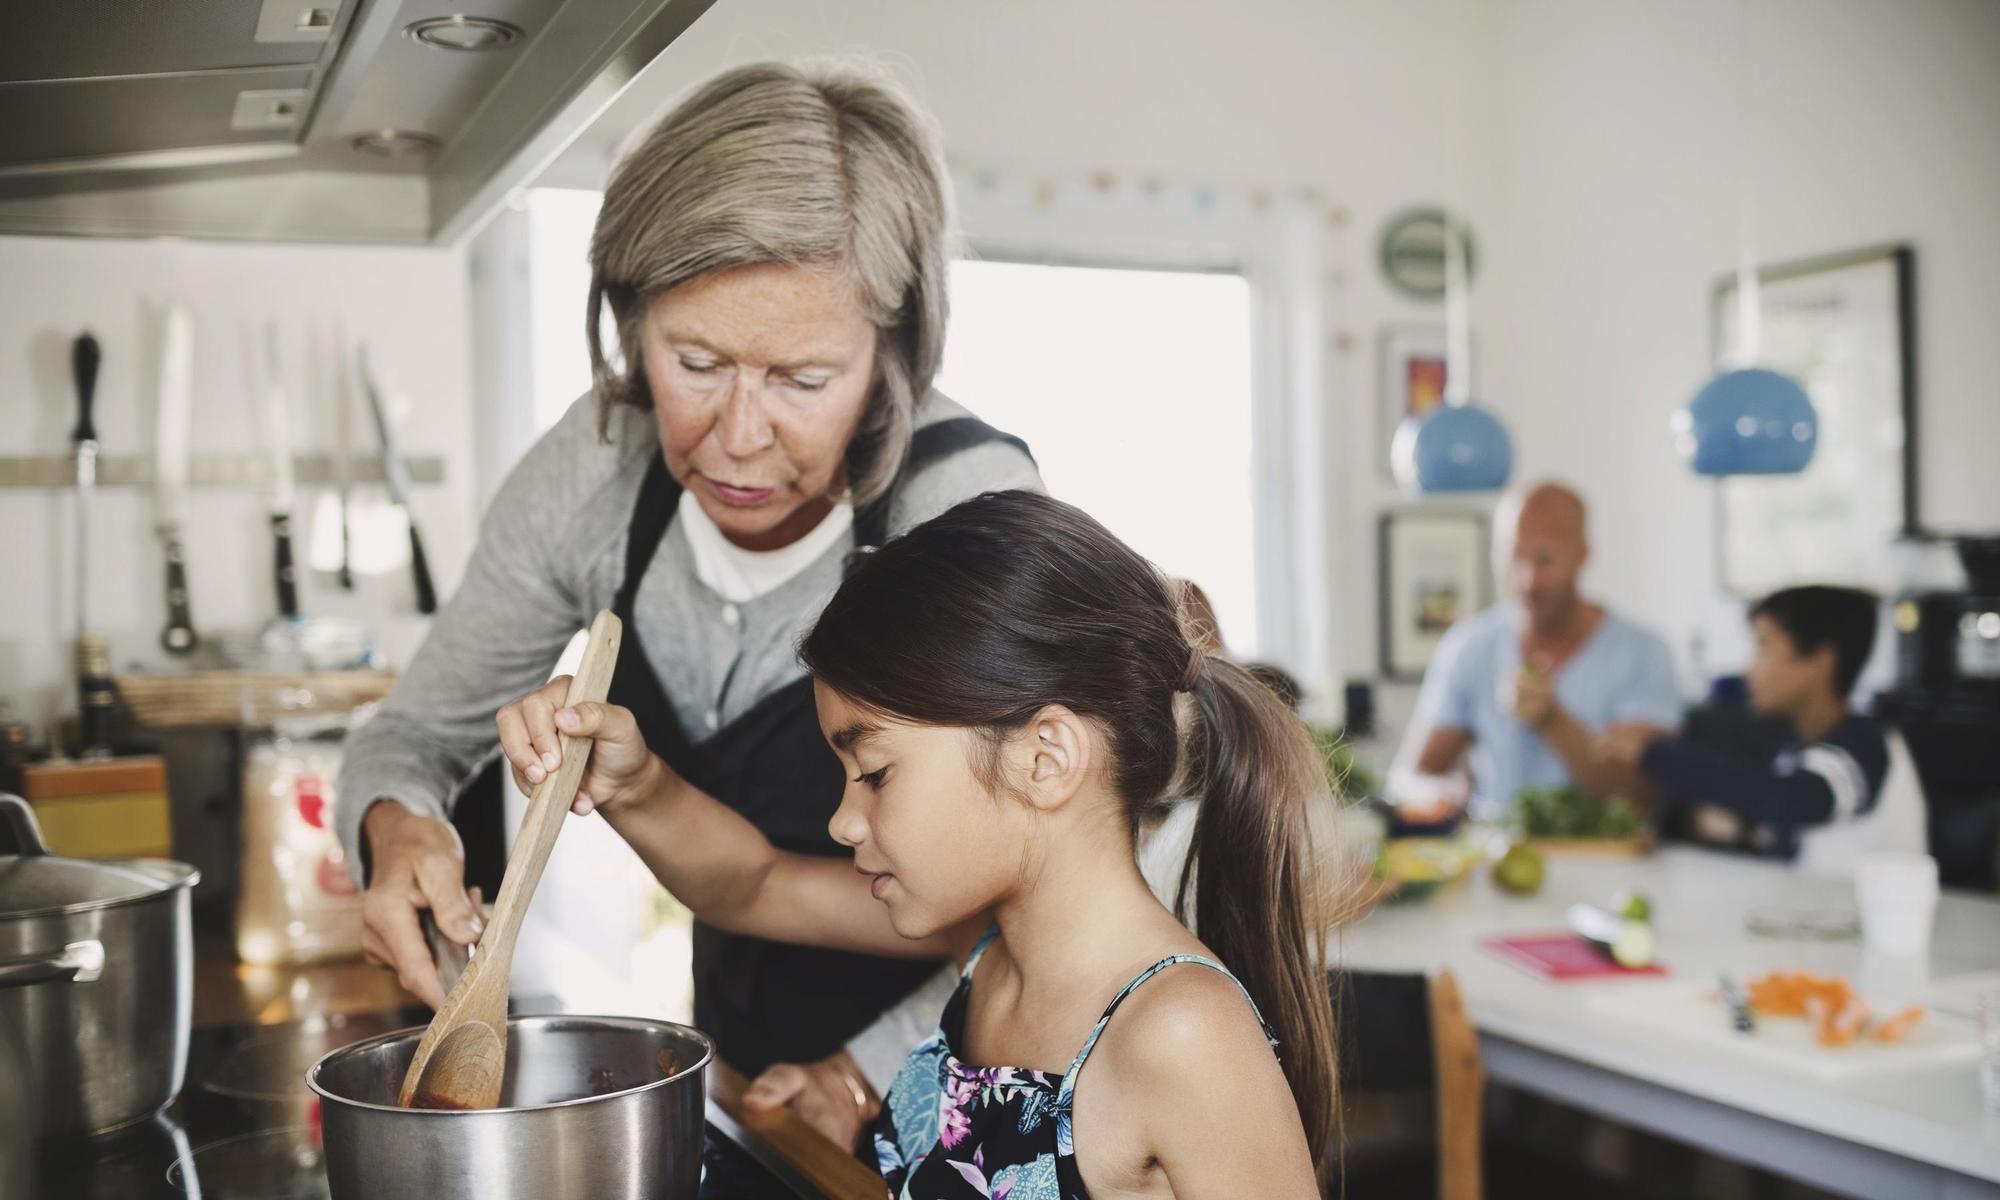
295 900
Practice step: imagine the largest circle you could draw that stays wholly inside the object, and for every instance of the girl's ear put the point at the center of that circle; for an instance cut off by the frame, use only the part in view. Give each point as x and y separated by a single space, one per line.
1052 757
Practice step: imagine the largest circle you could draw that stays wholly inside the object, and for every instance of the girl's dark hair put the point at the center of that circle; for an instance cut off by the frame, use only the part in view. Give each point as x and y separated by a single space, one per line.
1014 601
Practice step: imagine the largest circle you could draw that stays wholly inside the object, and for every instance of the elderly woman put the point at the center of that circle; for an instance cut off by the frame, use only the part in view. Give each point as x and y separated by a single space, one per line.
774 258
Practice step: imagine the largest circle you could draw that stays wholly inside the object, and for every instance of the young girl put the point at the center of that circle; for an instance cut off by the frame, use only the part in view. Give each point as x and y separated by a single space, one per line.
1000 685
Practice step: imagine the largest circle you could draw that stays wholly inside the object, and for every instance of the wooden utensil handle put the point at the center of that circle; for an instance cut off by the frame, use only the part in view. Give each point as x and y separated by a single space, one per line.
551 799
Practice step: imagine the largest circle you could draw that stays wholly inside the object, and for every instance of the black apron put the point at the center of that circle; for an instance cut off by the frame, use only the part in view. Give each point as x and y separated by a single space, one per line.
766 1002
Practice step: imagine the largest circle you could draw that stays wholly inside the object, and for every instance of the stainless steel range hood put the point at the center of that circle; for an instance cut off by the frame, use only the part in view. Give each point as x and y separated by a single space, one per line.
377 121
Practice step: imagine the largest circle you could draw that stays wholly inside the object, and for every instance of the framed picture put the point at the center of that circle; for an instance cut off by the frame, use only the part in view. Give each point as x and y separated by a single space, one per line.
1433 571
1411 375
1844 327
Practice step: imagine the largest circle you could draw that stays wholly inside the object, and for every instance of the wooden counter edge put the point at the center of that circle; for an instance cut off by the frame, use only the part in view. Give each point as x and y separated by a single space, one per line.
835 1172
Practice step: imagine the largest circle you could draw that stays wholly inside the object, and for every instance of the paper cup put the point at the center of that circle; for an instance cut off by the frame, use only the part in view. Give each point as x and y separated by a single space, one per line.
1897 894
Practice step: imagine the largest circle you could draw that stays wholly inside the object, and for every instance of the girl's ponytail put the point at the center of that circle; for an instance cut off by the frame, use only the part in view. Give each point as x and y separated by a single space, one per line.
1256 892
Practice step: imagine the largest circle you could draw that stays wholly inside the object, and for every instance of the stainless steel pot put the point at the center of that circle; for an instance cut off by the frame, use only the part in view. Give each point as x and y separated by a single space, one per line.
96 979
593 1108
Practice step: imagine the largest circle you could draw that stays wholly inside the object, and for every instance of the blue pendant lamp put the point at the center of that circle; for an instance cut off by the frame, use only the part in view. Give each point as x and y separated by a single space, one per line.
1458 446
1747 420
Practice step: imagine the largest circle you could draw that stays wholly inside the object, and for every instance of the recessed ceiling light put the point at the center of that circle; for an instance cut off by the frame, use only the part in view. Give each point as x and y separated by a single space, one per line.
460 32
394 143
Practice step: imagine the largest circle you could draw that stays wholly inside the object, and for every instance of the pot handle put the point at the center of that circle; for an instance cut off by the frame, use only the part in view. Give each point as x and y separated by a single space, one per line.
78 962
21 823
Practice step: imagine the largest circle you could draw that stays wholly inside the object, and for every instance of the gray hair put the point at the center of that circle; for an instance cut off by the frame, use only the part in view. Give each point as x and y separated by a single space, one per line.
770 163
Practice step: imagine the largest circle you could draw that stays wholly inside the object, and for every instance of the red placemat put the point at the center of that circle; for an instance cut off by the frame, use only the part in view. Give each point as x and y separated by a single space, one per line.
1562 956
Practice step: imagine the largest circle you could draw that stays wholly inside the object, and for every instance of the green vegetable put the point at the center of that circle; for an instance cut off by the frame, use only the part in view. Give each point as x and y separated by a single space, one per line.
1628 943
1633 906
1520 871
1564 812
1344 773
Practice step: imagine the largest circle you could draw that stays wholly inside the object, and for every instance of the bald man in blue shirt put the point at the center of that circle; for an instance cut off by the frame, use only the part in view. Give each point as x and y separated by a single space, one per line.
1521 692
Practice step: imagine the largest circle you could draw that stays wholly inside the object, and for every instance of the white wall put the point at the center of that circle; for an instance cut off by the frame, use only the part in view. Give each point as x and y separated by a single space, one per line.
1599 176
409 304
1599 181
1613 211
1277 93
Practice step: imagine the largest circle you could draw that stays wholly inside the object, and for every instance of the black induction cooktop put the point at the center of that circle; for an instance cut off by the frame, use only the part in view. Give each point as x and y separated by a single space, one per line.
246 1128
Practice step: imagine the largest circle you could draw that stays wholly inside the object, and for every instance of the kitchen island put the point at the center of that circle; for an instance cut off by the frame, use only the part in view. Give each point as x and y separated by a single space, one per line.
1909 1129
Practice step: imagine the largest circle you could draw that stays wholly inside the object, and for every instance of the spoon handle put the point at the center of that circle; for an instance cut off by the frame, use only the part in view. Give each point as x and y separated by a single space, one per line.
551 799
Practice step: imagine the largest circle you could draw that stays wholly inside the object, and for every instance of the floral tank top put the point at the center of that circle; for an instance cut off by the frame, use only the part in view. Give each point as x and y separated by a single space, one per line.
949 1130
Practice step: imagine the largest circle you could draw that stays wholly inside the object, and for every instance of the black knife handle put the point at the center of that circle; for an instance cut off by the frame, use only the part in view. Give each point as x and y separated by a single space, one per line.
178 637
286 574
83 359
346 546
96 715
427 601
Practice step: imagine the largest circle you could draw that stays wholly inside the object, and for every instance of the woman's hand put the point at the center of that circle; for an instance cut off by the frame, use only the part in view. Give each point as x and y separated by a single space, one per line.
621 771
417 864
829 1095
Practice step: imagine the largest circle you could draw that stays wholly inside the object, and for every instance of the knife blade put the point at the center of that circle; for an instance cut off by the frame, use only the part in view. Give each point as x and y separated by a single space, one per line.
398 476
277 430
170 459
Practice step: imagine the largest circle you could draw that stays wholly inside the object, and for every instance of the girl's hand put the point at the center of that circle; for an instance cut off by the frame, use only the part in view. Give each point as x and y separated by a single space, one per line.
622 770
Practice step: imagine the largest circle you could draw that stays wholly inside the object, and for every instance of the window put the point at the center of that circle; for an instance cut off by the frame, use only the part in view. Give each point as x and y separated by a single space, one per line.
560 221
1133 389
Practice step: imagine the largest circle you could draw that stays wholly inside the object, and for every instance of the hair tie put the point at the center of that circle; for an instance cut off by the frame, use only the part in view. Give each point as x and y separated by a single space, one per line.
1192 674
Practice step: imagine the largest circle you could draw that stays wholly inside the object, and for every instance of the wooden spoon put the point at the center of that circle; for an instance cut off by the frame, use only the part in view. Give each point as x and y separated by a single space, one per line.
463 1055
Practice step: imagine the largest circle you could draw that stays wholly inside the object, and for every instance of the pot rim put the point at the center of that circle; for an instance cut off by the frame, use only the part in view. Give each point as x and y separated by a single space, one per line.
169 875
531 1019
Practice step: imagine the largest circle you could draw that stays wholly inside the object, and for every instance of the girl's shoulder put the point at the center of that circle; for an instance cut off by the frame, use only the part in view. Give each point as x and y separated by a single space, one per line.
1185 1017
1177 1023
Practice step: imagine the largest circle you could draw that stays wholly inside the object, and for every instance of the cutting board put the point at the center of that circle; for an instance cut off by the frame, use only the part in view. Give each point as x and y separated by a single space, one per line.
1690 1009
1563 957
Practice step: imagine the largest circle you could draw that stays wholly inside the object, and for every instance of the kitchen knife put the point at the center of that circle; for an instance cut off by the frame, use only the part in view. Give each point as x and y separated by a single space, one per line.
398 476
93 664
277 430
1741 1016
170 459
343 442
83 360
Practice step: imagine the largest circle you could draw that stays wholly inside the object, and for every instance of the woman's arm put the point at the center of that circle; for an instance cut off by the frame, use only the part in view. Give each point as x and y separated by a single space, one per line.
707 854
521 599
499 633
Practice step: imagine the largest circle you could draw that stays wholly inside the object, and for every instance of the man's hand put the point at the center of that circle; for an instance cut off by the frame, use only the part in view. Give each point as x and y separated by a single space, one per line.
1625 744
1532 698
829 1095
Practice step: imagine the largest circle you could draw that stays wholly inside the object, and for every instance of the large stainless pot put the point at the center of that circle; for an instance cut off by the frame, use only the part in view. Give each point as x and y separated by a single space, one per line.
593 1108
96 980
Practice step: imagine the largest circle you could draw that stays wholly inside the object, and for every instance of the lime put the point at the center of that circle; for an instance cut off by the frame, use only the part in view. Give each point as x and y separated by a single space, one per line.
1631 905
1520 871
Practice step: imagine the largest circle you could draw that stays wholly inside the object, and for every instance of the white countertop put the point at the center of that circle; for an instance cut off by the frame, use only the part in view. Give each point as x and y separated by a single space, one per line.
1933 1114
